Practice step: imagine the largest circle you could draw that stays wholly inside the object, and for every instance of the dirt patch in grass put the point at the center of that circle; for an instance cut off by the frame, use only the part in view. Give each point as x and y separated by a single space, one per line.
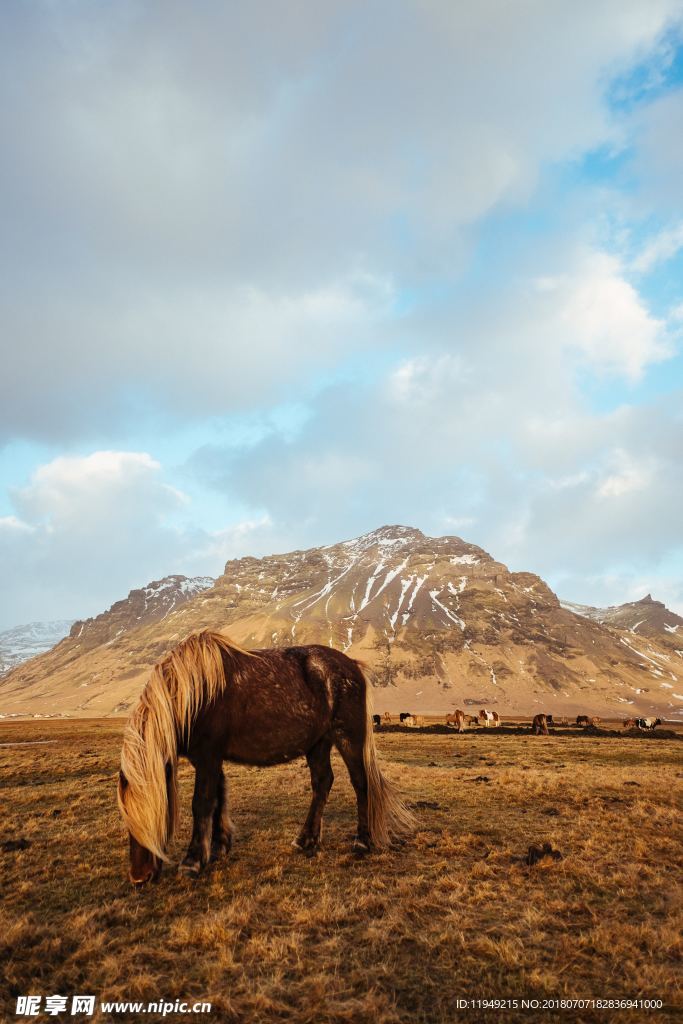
269 935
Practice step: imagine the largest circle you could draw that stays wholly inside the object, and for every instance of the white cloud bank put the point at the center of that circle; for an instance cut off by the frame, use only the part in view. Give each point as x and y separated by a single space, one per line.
89 529
204 209
211 212
600 314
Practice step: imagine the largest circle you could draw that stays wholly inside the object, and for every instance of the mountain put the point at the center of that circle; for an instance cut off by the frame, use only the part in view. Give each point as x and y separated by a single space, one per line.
24 642
645 617
438 622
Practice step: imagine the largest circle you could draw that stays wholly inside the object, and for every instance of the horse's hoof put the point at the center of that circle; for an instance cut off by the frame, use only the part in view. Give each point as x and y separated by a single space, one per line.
218 852
360 848
308 846
190 869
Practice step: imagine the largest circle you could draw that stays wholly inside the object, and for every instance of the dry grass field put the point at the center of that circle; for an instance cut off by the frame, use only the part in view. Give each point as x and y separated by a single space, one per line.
269 935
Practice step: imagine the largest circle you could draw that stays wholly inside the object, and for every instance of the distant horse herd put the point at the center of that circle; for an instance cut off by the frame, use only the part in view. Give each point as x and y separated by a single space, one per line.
458 719
539 724
210 701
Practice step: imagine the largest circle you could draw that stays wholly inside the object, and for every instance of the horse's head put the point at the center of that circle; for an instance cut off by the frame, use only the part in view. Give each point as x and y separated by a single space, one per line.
144 865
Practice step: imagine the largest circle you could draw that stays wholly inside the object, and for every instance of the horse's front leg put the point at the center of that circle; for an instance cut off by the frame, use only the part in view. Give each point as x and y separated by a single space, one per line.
208 773
221 839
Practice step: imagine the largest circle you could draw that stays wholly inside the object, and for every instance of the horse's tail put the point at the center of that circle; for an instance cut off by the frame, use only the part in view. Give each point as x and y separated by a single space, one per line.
388 816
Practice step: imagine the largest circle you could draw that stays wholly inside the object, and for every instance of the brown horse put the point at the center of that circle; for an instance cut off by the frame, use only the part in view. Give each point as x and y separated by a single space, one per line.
210 701
457 718
539 726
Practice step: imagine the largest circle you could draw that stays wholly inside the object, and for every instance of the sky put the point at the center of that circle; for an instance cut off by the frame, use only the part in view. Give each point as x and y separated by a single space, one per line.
273 276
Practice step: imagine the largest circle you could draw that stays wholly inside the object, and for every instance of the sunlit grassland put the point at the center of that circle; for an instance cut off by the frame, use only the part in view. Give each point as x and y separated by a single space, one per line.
269 935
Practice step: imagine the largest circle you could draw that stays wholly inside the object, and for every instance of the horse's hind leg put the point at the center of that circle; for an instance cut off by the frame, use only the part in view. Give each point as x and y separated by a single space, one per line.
222 832
204 803
321 782
351 750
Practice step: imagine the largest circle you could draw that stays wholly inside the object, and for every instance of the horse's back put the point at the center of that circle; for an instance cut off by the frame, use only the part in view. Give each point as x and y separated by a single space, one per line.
277 703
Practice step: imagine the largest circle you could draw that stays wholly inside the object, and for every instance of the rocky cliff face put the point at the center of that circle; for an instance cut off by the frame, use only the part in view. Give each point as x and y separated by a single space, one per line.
142 607
438 621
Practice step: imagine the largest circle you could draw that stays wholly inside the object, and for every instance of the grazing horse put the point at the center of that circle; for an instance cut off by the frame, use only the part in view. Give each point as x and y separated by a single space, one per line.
582 720
210 701
457 718
648 723
386 718
405 714
376 721
539 726
489 717
630 723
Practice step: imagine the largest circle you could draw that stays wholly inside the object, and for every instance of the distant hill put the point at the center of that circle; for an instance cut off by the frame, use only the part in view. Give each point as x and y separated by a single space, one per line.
438 621
645 617
23 642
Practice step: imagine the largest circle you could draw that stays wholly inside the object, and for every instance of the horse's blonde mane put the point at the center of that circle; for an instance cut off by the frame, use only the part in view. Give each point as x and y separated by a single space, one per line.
189 677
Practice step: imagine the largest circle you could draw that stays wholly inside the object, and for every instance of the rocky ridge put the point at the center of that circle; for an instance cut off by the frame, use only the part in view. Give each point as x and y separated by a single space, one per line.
143 606
646 617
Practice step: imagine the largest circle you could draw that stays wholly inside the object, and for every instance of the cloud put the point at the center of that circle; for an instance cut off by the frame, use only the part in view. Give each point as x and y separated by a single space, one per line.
613 522
107 483
627 477
602 315
658 156
10 524
201 211
89 529
659 249
204 353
